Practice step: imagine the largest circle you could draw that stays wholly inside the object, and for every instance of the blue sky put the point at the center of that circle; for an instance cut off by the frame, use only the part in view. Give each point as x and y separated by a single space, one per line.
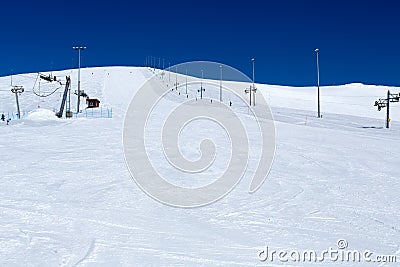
358 40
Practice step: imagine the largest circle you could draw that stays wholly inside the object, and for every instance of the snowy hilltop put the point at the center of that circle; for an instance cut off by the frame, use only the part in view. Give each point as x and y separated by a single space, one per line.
67 197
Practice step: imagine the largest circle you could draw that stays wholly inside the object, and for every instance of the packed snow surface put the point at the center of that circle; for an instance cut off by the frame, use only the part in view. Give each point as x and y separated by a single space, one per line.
67 197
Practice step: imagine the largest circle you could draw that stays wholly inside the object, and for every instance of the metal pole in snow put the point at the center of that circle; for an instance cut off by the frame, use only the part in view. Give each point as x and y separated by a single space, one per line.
17 90
319 106
220 84
79 74
201 85
253 91
387 110
250 91
19 112
176 78
79 79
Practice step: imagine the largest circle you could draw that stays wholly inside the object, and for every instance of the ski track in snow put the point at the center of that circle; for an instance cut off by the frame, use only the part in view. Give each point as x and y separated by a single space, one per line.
67 198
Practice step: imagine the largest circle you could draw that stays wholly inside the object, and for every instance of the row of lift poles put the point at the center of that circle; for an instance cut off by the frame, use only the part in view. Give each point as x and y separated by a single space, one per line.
17 90
381 103
151 62
251 90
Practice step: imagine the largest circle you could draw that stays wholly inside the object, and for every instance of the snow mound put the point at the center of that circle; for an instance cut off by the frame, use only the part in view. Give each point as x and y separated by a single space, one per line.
41 114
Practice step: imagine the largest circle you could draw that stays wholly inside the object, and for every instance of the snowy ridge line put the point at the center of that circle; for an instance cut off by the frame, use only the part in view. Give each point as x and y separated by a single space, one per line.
334 99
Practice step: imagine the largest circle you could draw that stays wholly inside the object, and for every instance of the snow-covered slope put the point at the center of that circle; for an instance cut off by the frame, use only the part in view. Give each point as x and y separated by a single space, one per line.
67 197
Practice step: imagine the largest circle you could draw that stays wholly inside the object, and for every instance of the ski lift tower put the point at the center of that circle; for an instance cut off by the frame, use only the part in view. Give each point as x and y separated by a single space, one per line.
385 103
252 89
202 89
17 90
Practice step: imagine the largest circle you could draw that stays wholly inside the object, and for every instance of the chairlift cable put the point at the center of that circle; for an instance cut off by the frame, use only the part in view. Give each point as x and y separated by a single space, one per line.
43 95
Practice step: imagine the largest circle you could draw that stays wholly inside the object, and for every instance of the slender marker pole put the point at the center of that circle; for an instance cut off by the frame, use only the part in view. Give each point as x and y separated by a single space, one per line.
176 78
319 105
79 73
254 87
220 84
387 110
79 80
201 85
